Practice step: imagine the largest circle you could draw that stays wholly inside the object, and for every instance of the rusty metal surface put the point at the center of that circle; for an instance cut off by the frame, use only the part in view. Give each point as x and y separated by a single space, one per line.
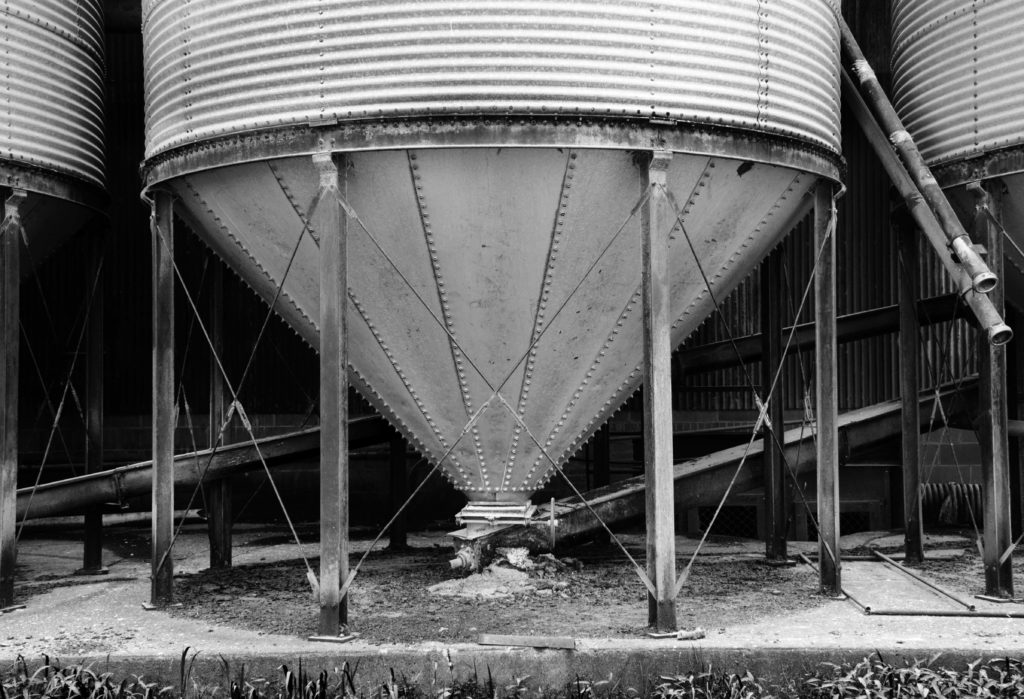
957 71
484 132
225 68
52 67
481 279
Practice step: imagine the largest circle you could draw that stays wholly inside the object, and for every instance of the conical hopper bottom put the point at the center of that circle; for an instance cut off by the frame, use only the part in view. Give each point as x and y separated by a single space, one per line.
501 284
48 223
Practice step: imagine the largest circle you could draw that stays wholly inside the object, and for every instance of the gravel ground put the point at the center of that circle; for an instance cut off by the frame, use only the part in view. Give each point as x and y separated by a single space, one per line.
392 604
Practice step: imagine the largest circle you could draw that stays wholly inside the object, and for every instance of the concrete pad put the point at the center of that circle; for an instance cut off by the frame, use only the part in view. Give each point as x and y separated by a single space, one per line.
102 621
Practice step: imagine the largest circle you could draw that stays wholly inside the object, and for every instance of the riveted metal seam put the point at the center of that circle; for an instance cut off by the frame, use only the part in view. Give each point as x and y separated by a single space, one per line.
364 314
245 251
365 388
606 345
289 195
558 226
633 381
446 315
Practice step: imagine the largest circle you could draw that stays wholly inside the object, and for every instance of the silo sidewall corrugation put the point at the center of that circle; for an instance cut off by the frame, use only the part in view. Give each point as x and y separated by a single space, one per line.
53 65
957 71
216 69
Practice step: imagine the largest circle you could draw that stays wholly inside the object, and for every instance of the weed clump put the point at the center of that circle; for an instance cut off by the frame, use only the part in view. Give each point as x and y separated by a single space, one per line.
871 678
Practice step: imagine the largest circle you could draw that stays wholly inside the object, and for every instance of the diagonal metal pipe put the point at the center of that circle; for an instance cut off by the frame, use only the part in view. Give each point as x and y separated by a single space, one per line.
925 185
989 318
74 495
702 480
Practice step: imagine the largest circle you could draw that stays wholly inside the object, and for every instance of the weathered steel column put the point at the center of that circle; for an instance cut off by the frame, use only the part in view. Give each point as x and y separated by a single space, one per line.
602 457
1014 365
162 576
397 535
332 225
10 337
827 392
657 222
776 506
92 555
218 492
992 410
910 352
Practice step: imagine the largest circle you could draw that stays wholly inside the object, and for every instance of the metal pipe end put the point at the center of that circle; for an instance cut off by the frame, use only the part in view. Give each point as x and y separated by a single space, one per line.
982 278
984 282
465 559
1000 334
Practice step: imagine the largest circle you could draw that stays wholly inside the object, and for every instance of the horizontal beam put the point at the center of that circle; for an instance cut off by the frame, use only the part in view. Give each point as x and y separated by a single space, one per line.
74 495
851 327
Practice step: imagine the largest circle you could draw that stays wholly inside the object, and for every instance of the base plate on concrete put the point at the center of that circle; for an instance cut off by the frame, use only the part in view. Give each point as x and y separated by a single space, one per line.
92 571
335 639
149 607
1000 600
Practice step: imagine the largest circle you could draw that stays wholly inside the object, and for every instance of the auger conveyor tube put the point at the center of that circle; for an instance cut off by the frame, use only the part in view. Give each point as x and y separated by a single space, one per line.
988 317
981 277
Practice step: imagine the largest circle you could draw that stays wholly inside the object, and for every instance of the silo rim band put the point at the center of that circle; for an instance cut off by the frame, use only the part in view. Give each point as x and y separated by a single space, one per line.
681 137
52 184
985 166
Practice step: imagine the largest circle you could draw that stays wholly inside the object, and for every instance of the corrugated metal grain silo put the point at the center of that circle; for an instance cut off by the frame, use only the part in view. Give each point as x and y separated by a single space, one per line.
51 142
51 182
957 70
492 185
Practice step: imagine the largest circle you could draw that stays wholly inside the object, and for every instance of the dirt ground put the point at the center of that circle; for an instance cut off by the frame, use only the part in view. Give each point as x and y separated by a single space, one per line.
391 599
265 606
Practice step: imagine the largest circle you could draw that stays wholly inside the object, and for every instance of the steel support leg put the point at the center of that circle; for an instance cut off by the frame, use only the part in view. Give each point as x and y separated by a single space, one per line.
602 471
910 352
827 392
92 555
10 337
776 524
1015 365
602 457
334 503
162 576
398 534
993 413
218 492
658 220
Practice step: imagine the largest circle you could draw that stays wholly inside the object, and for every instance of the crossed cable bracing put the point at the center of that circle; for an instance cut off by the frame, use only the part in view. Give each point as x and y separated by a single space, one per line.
236 405
763 405
63 399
